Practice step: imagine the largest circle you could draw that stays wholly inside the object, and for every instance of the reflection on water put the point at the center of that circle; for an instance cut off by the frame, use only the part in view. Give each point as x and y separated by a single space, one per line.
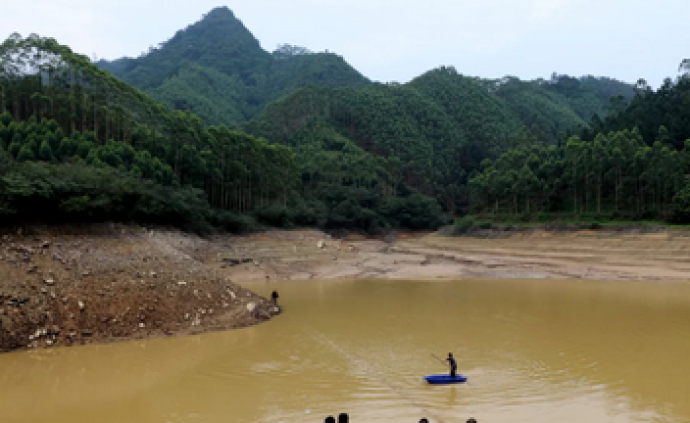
538 351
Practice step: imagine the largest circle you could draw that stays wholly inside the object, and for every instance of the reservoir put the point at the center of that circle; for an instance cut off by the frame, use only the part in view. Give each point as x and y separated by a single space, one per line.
533 350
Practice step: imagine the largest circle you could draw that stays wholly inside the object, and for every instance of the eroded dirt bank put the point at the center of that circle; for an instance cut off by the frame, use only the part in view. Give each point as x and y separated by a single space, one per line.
112 283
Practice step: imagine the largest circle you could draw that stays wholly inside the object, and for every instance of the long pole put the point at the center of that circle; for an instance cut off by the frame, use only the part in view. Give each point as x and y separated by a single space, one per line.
439 360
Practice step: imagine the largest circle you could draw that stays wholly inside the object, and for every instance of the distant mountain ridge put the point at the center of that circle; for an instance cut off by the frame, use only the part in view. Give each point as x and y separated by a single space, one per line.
217 69
318 144
431 134
441 125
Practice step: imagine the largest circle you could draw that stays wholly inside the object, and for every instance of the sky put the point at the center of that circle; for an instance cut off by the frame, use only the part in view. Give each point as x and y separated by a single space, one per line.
397 40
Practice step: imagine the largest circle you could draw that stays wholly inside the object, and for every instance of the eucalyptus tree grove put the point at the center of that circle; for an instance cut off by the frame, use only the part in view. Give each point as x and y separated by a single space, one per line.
56 107
615 173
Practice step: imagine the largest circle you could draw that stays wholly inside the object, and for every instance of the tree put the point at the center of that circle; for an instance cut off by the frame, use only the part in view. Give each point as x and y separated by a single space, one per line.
46 152
26 153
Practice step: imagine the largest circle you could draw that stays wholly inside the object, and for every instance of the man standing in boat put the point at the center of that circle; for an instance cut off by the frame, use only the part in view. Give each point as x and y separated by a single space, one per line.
453 365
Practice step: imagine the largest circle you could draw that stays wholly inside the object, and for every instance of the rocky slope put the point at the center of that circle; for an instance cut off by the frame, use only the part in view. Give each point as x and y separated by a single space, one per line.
114 283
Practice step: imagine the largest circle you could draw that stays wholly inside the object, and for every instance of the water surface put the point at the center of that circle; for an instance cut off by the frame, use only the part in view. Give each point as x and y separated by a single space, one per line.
534 350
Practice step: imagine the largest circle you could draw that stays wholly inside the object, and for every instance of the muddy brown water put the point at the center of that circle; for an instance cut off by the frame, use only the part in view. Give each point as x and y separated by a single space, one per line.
534 350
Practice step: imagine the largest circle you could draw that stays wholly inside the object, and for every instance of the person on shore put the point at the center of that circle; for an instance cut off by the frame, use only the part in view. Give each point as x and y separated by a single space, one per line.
343 418
453 365
329 419
274 298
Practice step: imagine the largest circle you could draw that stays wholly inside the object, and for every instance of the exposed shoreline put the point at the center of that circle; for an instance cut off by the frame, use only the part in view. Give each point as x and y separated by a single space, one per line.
113 283
594 255
116 283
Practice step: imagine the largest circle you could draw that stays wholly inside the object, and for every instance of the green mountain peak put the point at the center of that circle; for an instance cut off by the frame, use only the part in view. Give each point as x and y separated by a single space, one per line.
220 12
217 69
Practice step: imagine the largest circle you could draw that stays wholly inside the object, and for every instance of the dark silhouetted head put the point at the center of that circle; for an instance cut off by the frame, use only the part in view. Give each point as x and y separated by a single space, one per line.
424 420
450 355
471 420
343 418
329 419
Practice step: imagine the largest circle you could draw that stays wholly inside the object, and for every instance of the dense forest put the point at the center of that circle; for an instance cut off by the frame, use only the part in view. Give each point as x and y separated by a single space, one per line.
632 164
359 144
433 133
78 144
208 129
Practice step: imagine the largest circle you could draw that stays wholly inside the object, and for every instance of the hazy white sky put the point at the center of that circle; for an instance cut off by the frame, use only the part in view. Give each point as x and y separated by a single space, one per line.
396 40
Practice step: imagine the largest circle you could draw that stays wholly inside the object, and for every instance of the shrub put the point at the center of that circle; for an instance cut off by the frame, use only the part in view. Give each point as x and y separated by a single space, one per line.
544 217
463 225
484 225
416 212
309 213
233 222
275 215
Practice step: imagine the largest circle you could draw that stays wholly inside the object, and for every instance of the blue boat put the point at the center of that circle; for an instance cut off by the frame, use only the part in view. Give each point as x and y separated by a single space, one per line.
445 379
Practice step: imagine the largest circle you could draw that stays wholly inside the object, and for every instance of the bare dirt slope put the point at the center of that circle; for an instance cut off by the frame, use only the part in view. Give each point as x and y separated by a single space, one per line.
582 254
112 283
537 254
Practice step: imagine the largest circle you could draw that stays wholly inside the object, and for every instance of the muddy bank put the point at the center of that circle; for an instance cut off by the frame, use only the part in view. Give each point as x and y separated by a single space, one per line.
114 283
534 254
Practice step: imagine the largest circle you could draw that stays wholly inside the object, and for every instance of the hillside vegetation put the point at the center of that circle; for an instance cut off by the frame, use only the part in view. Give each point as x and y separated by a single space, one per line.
431 134
208 129
630 165
77 143
216 69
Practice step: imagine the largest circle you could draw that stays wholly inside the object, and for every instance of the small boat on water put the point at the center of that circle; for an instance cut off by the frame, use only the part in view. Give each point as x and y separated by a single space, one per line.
445 379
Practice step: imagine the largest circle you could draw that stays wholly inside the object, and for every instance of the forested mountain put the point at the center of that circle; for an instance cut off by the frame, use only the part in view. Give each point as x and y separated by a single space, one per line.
216 69
560 104
430 134
435 131
631 164
327 148
79 144
649 109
